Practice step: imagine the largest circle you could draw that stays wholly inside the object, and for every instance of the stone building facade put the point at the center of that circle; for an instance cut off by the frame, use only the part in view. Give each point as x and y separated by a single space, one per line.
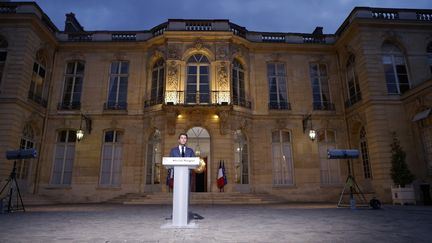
246 99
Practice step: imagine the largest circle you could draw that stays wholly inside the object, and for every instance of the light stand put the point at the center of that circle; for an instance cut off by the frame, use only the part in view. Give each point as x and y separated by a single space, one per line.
10 181
354 189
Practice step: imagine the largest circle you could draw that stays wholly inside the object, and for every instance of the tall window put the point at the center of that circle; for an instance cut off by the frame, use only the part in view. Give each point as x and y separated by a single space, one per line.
110 174
426 132
238 84
3 54
158 81
330 170
27 142
282 158
320 87
118 84
395 69
278 93
429 54
38 86
154 157
354 93
63 158
365 154
241 158
198 80
74 76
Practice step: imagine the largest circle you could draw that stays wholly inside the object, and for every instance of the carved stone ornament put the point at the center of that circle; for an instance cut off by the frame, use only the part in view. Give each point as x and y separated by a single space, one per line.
221 52
224 122
173 52
157 54
198 44
281 124
171 122
223 77
172 75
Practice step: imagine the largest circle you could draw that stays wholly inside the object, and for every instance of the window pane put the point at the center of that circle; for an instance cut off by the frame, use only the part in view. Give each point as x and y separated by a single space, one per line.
124 68
109 136
115 67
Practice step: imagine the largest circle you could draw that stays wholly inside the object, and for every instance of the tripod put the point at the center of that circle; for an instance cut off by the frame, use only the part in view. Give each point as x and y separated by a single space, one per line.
10 181
354 189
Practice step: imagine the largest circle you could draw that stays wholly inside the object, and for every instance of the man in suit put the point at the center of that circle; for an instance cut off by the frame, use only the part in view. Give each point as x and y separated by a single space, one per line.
182 150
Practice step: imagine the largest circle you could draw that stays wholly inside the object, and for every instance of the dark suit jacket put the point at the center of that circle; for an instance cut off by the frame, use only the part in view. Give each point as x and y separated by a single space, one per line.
175 152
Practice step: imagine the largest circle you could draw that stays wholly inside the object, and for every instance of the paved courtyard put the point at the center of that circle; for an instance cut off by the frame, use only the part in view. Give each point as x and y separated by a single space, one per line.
220 223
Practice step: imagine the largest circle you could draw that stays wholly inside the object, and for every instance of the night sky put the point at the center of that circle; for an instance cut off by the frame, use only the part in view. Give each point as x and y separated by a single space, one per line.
298 16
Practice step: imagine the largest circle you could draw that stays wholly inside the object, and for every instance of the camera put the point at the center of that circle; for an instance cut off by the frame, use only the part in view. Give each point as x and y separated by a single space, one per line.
342 153
21 154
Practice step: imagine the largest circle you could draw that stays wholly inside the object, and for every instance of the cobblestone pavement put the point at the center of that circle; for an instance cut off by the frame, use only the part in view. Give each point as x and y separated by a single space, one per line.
220 223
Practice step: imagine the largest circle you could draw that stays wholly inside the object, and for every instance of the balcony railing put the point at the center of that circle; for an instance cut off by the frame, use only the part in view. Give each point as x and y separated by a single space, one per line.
123 37
115 106
75 105
352 100
282 105
242 102
325 106
80 37
154 101
38 99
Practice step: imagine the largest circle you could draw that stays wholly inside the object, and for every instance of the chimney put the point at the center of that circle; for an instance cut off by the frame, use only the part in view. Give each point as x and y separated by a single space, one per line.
318 31
72 24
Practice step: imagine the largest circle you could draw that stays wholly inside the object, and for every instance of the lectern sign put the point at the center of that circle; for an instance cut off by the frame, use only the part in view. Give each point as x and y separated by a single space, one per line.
181 165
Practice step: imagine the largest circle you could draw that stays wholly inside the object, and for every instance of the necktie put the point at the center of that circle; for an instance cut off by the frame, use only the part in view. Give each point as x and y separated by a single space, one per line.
183 151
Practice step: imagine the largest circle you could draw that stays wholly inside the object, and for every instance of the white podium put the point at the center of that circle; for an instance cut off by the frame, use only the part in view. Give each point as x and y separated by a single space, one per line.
181 166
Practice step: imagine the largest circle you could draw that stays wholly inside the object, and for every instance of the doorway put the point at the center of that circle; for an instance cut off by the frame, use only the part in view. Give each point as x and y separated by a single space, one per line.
199 141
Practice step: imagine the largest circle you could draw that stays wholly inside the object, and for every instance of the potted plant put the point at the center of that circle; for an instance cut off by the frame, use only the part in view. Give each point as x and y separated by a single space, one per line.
402 190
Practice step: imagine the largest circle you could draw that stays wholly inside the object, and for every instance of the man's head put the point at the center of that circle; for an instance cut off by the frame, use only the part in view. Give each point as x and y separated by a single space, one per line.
182 138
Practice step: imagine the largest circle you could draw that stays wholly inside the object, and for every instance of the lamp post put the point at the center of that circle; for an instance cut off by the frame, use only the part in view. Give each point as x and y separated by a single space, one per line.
312 132
88 125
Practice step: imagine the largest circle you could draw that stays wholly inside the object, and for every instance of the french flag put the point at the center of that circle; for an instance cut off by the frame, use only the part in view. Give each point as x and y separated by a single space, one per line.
221 178
170 178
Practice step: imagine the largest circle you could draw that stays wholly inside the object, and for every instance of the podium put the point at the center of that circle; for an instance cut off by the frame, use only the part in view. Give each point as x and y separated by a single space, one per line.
181 166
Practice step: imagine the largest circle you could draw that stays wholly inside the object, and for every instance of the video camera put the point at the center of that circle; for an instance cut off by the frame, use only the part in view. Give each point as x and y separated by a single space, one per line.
21 154
342 153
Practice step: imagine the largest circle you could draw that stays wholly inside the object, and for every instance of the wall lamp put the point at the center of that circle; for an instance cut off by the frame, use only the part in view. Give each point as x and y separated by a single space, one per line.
88 126
312 132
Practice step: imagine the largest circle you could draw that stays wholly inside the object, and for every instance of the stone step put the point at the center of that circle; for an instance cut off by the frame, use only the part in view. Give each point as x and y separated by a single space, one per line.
198 198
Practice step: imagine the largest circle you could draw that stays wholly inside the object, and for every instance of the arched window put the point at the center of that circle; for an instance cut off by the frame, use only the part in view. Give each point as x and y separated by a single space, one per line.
241 158
282 158
154 157
365 154
73 82
38 91
353 85
330 170
396 73
198 80
158 81
429 54
111 165
238 84
3 54
27 142
63 158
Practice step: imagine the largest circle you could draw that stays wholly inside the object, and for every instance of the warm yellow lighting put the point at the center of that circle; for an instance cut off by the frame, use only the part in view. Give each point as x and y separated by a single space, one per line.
179 116
215 116
79 134
312 134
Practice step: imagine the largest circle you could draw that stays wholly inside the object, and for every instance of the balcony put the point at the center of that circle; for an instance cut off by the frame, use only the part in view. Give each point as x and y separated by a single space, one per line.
115 106
154 101
323 106
352 100
74 105
282 105
38 99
